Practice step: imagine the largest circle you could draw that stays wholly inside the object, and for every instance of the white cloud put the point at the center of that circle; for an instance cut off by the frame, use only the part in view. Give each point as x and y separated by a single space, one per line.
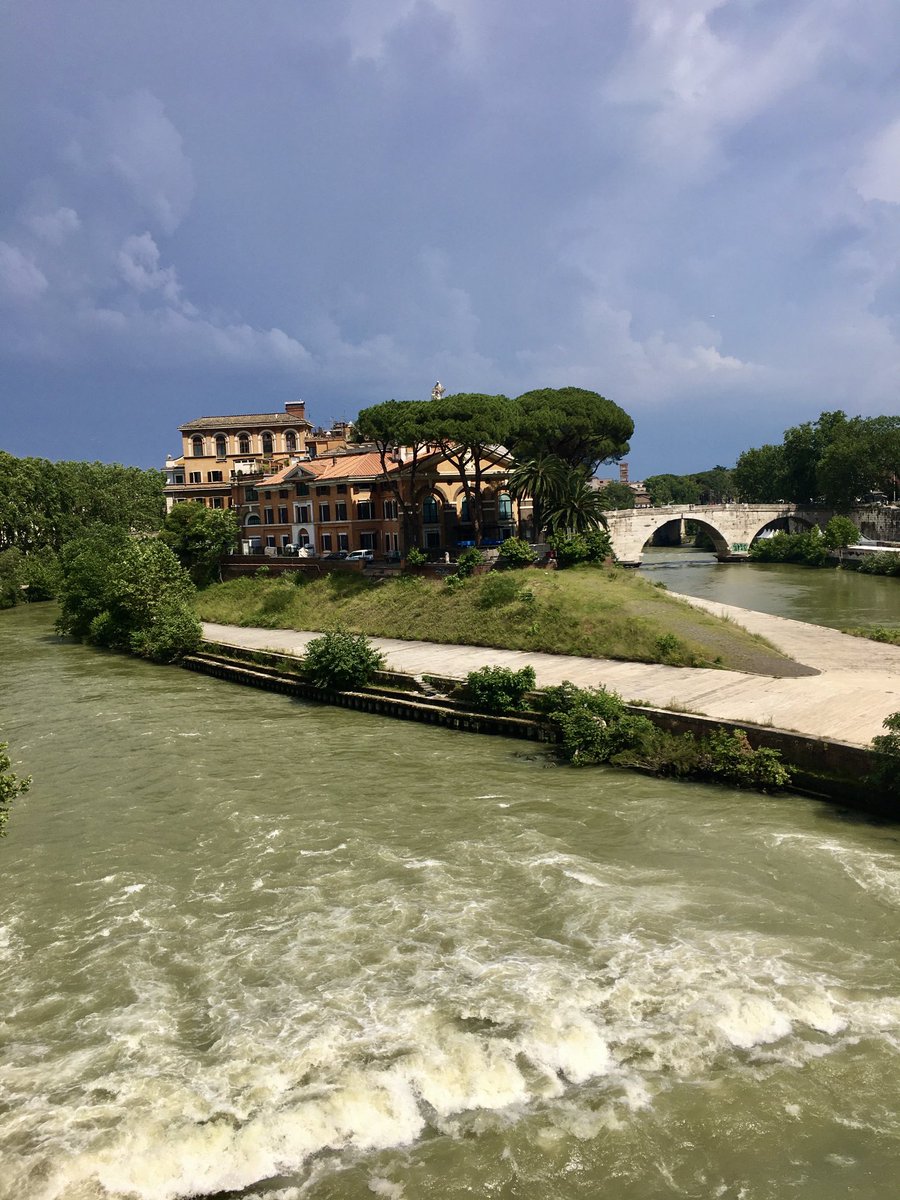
138 263
878 175
53 227
20 277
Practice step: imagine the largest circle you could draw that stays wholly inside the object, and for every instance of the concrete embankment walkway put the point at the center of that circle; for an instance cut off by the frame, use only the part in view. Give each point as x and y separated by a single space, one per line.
857 686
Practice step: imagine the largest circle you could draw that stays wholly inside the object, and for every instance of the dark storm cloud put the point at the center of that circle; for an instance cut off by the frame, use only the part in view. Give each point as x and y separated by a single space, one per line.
692 206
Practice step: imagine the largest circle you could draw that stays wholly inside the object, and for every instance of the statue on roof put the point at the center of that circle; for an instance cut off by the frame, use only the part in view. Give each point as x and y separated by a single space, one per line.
437 391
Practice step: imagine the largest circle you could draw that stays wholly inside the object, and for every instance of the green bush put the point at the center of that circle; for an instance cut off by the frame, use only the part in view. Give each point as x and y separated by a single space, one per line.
595 726
498 689
515 552
468 561
886 775
498 588
810 548
173 631
668 646
11 786
415 557
593 547
730 758
341 660
12 577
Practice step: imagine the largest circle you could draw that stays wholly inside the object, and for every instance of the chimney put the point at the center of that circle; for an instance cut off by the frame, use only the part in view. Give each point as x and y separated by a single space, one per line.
296 408
623 472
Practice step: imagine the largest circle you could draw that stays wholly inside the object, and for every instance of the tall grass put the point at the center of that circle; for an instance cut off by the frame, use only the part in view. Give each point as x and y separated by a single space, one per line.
587 612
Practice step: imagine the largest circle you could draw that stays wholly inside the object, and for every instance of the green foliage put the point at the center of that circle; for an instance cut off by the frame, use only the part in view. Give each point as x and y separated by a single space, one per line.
127 594
515 552
887 745
594 725
593 547
576 507
760 475
498 689
672 489
12 576
200 537
730 758
668 645
880 564
468 561
616 495
499 587
415 557
580 427
262 572
808 548
341 660
11 787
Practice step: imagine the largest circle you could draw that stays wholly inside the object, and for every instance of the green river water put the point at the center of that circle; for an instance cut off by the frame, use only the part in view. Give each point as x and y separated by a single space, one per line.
253 947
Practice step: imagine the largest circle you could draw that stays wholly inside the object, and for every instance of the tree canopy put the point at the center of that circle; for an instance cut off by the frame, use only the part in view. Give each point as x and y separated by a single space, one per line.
578 426
199 537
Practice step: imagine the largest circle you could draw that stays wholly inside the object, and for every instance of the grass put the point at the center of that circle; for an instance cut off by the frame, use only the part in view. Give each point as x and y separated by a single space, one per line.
584 611
876 633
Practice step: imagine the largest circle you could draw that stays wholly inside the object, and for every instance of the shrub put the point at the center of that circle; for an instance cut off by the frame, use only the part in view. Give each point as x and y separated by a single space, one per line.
595 726
498 589
468 561
887 745
172 632
262 572
730 758
498 689
341 660
12 576
592 547
515 552
415 557
11 786
667 646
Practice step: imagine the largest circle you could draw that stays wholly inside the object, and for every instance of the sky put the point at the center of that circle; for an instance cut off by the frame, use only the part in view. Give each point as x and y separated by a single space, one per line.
689 206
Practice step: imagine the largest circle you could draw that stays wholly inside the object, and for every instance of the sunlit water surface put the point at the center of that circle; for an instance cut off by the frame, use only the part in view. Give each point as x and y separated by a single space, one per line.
253 947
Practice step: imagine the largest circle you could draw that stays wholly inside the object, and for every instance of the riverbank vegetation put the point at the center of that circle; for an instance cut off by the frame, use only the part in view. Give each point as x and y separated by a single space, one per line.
127 593
11 786
597 613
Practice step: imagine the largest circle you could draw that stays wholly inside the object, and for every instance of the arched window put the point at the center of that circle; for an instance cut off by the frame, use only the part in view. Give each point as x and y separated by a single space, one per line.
221 445
252 519
429 511
465 516
243 443
290 441
504 507
303 538
197 446
268 443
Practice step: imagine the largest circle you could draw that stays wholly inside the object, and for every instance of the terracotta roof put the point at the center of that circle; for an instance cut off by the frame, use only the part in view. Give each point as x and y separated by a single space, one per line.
340 466
243 420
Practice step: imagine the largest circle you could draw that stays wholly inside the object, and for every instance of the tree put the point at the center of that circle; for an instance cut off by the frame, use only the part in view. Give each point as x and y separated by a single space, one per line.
616 495
672 489
341 660
127 594
11 787
840 532
468 427
200 537
542 478
759 475
577 507
581 427
399 426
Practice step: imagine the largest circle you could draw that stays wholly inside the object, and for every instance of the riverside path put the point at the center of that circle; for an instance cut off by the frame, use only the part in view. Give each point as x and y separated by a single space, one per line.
856 683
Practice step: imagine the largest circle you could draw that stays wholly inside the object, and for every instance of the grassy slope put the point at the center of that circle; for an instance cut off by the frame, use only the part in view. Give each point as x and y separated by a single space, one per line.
595 613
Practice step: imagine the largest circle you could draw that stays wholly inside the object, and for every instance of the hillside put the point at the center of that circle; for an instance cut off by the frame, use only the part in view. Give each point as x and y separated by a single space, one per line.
597 613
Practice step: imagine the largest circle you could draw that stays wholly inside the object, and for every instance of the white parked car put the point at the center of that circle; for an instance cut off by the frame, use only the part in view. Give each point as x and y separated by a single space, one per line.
360 556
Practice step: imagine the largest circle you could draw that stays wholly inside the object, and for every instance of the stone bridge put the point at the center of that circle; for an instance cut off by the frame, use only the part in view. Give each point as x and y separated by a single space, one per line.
731 527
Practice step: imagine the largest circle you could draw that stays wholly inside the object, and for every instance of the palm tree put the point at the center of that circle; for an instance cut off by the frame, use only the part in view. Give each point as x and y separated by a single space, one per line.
543 479
576 507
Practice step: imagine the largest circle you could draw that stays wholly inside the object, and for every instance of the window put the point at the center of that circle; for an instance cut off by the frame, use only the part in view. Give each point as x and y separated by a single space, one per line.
283 515
464 514
217 502
179 478
364 512
243 443
324 512
285 539
432 539
342 489
196 477
430 511
221 445
340 510
290 441
302 489
268 443
303 537
323 491
343 541
197 447
368 541
270 540
251 494
390 510
267 516
253 519
326 542
302 512
504 508
283 494
214 476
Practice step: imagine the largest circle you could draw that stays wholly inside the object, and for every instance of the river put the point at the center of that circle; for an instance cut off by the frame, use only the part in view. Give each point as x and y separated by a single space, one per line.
254 947
839 599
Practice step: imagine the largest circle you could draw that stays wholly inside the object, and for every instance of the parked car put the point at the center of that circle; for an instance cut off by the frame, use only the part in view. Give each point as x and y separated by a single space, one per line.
335 554
360 556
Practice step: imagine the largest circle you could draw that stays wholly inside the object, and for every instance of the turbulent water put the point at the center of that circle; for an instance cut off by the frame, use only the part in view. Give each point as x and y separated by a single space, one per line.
254 947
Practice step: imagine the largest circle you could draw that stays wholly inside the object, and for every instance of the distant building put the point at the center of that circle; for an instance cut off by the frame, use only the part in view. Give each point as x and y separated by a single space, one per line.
641 495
